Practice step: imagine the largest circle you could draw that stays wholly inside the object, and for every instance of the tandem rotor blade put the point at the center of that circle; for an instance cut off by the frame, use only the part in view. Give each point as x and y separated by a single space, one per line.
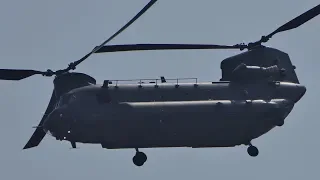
115 34
294 23
141 47
298 21
17 74
39 133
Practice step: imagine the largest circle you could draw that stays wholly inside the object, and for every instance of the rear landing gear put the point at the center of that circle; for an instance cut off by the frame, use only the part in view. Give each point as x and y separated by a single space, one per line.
252 150
139 158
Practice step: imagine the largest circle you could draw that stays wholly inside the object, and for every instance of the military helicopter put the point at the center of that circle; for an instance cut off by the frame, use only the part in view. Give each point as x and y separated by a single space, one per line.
257 91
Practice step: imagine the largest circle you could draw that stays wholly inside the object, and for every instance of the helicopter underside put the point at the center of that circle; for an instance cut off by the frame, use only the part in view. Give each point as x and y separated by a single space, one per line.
170 124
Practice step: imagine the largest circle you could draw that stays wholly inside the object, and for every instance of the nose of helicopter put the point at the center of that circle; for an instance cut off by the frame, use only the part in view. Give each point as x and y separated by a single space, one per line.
301 91
57 122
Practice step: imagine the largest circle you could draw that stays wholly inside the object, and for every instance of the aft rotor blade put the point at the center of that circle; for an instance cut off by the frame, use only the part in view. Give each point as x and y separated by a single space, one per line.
118 32
141 47
17 74
39 133
298 21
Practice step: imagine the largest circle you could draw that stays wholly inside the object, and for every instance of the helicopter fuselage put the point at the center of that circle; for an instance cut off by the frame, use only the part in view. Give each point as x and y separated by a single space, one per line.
209 114
256 92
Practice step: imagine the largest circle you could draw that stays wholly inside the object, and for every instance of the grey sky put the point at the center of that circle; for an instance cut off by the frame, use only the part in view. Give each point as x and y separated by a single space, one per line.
50 34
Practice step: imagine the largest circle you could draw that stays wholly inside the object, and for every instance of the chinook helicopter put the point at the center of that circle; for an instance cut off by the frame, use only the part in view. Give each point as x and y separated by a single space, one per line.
257 91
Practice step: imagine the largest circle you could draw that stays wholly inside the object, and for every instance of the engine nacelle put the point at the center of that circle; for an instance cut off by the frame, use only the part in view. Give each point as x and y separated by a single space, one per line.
259 63
251 73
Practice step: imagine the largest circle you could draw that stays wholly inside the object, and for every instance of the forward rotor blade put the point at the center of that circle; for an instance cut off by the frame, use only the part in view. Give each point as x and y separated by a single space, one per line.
17 74
39 133
298 21
118 32
141 47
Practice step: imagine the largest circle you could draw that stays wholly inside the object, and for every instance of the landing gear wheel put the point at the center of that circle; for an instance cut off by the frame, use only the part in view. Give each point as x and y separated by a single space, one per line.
253 151
139 159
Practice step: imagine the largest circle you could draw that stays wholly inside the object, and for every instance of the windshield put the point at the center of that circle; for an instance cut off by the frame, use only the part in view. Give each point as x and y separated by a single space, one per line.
66 99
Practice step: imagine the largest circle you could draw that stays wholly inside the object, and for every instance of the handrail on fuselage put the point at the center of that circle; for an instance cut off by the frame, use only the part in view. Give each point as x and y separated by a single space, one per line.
155 81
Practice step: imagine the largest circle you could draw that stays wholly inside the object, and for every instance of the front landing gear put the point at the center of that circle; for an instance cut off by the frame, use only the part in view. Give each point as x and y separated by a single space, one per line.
252 150
139 158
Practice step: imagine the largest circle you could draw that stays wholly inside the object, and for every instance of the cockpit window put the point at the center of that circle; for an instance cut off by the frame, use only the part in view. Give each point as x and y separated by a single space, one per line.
72 98
66 99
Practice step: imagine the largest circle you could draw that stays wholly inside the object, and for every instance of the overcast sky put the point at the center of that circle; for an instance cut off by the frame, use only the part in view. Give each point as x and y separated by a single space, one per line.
50 34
